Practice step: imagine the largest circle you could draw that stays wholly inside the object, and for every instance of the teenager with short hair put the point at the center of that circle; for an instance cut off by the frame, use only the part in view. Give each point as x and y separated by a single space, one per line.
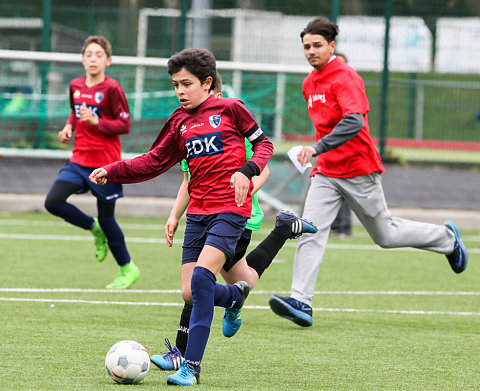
287 226
100 113
348 167
209 133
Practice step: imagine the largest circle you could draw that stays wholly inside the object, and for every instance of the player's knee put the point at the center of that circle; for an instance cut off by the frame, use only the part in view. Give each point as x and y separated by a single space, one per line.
384 241
51 206
187 294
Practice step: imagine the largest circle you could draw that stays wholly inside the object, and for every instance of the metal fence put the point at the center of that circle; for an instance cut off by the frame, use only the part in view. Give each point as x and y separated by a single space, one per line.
423 86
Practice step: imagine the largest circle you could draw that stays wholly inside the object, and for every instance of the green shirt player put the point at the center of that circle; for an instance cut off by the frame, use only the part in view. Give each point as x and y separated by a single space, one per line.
287 226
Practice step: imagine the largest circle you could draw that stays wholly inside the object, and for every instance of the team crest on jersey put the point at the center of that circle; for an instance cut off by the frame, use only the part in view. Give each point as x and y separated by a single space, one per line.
76 94
183 129
215 120
99 96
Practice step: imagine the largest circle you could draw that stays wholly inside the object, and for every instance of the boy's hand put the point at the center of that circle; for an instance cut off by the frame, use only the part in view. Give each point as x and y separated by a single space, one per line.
98 176
305 155
241 184
87 116
170 229
65 134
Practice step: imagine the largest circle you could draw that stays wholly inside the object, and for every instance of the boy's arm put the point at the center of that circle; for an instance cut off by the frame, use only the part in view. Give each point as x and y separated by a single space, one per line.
65 134
178 209
262 152
169 151
259 180
120 124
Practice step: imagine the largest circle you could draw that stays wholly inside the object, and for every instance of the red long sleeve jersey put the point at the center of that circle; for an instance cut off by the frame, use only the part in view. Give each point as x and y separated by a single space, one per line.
96 146
211 138
332 93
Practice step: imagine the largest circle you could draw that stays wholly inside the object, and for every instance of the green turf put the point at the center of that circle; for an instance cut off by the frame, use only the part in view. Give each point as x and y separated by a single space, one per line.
357 342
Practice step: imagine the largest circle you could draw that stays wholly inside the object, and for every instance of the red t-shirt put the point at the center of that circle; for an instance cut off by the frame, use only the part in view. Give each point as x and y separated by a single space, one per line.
96 146
332 93
211 138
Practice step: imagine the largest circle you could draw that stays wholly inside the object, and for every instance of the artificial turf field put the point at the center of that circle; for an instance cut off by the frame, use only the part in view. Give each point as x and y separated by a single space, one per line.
383 319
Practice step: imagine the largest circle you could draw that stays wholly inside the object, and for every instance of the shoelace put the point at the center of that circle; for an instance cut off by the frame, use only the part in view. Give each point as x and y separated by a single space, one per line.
185 370
169 347
232 315
295 303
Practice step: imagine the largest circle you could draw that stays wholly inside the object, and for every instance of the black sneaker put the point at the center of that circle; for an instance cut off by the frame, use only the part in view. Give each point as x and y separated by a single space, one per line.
292 309
297 225
458 259
245 289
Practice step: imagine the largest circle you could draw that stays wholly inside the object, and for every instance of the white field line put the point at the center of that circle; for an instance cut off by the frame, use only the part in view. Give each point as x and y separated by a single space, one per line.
141 227
159 227
253 292
134 303
336 246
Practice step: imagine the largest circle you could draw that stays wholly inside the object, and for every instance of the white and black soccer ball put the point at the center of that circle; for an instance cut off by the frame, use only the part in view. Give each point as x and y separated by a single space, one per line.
127 362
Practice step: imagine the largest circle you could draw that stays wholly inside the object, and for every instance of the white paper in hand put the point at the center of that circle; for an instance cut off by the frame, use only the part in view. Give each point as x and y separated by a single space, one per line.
292 154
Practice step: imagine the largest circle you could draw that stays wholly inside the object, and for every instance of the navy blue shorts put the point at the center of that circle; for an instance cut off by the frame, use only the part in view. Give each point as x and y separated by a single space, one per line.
221 230
74 173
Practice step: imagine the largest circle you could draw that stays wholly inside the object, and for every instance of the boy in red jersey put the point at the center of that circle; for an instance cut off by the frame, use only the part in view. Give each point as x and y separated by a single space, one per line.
287 226
208 132
348 167
100 113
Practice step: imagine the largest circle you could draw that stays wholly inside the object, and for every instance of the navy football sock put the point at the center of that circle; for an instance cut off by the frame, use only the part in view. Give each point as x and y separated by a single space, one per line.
226 295
203 286
116 240
71 214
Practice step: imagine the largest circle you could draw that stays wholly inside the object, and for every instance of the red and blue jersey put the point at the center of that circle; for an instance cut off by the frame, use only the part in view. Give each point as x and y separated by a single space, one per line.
211 138
96 146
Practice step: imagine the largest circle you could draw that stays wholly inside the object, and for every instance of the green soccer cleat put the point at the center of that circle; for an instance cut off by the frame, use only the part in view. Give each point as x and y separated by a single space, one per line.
101 246
127 275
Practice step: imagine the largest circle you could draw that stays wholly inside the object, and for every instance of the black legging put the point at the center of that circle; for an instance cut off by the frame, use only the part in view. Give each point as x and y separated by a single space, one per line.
61 190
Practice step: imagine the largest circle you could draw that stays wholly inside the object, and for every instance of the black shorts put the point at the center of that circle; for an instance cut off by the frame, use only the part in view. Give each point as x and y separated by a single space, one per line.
240 250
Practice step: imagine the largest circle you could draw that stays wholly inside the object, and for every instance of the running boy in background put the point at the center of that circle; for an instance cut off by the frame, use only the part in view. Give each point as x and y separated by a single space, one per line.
100 113
287 226
348 167
208 132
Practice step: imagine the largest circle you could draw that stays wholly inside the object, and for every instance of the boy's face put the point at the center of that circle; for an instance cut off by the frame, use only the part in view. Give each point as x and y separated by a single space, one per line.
95 60
190 92
317 50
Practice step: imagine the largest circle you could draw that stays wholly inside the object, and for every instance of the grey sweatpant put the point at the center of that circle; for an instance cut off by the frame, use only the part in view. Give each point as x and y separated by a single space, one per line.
364 195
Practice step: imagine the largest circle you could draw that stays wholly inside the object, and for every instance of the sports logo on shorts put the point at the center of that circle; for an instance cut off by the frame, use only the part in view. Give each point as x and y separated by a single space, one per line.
99 96
214 120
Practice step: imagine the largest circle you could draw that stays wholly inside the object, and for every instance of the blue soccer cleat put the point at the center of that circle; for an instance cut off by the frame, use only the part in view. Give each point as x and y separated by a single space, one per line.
292 309
170 361
187 375
459 258
297 225
232 320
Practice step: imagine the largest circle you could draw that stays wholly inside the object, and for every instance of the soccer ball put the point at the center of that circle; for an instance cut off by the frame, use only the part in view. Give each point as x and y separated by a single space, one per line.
127 362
